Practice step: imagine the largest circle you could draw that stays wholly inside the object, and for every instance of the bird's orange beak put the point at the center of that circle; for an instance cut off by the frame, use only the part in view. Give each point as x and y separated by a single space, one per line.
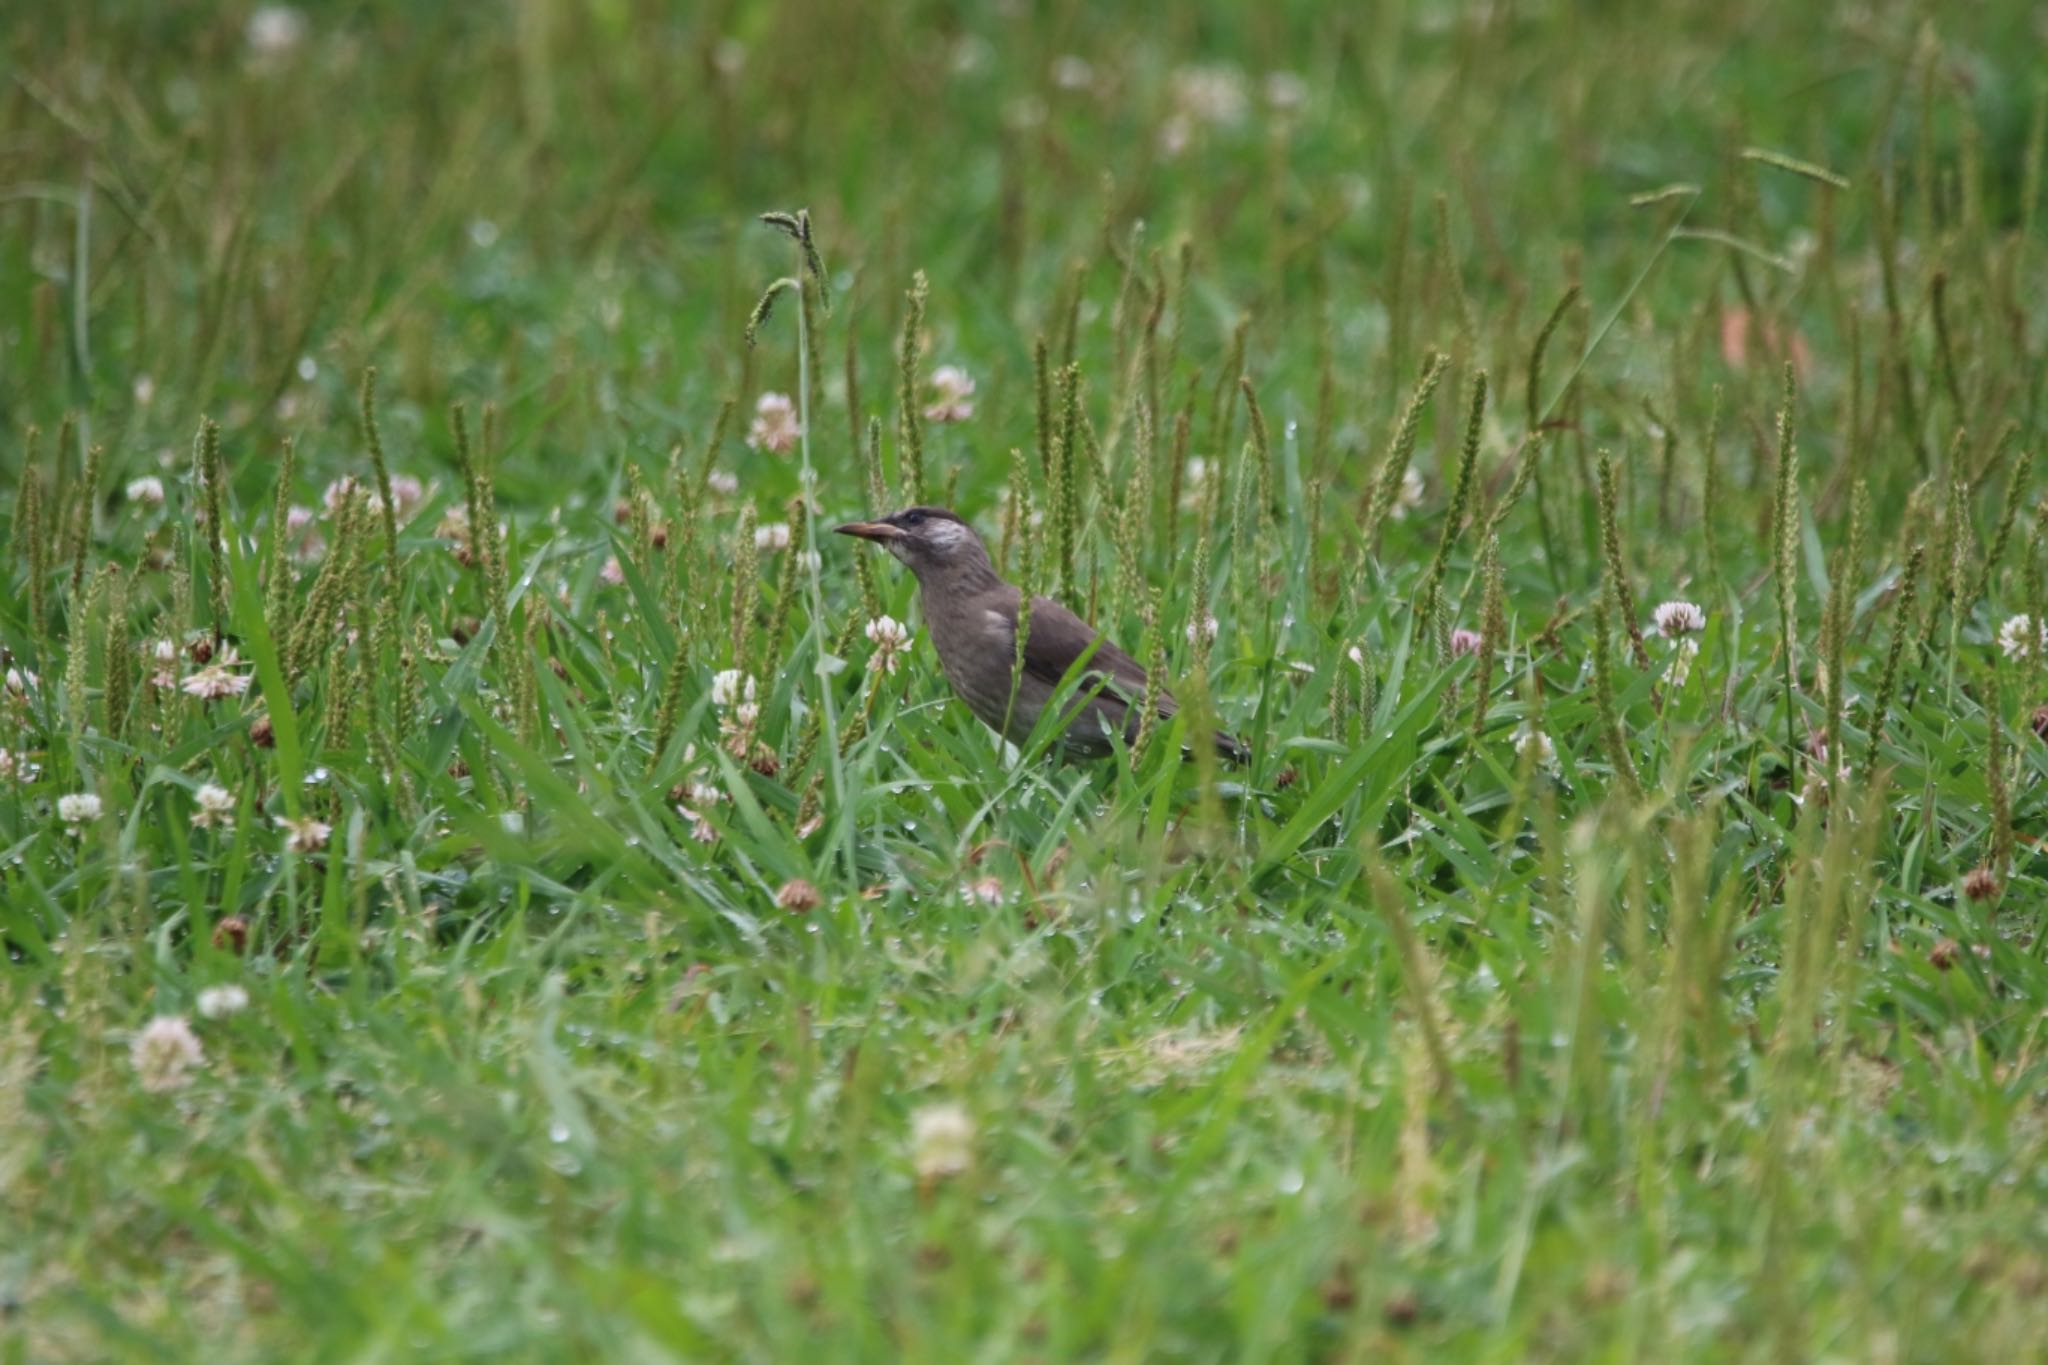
870 530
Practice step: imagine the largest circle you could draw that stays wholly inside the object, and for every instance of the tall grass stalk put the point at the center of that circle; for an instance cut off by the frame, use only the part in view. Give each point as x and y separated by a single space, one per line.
1902 631
1611 730
823 662
1461 492
909 418
1784 550
84 524
210 476
1616 571
1386 482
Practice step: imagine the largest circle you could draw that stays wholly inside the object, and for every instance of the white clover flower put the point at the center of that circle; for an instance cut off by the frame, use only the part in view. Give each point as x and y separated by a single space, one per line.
21 682
1286 91
1464 642
1175 133
306 835
338 492
307 546
890 638
798 897
2019 636
809 560
1204 629
78 808
217 679
986 890
1409 496
216 807
1529 741
164 656
407 493
1212 95
773 535
9 765
274 31
1682 655
730 685
164 1053
611 572
775 428
1674 619
969 54
941 1141
147 490
888 632
218 1002
723 482
1070 72
952 395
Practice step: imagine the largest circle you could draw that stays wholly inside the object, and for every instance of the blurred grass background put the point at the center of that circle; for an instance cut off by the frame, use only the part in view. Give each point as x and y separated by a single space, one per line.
1401 1042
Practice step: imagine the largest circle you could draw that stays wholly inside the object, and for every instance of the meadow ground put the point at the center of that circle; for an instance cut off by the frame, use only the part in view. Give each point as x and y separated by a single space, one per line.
480 881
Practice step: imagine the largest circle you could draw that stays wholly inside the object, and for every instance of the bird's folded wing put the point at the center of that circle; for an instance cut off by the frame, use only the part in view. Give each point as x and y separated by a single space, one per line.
1058 637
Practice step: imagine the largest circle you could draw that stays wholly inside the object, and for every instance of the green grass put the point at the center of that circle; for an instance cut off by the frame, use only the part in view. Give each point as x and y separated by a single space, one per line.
1397 1041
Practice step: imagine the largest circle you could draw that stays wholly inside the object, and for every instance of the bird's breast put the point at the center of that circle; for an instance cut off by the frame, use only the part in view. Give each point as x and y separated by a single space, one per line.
977 648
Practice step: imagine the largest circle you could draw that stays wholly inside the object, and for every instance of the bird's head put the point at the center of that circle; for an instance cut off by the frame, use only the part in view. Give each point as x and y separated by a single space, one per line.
928 539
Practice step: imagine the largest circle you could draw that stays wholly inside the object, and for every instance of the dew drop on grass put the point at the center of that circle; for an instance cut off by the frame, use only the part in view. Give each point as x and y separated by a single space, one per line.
1291 1181
558 1131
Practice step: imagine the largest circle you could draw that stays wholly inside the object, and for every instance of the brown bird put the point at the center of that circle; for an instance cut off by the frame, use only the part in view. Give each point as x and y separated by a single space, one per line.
972 614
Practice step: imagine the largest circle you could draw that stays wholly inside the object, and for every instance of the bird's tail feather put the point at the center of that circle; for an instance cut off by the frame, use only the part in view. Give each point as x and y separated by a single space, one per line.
1231 748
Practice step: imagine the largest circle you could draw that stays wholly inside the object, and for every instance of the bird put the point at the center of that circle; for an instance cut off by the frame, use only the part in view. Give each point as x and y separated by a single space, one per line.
972 614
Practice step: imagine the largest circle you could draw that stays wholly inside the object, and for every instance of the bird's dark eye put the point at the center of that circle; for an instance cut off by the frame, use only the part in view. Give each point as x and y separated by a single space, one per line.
913 519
